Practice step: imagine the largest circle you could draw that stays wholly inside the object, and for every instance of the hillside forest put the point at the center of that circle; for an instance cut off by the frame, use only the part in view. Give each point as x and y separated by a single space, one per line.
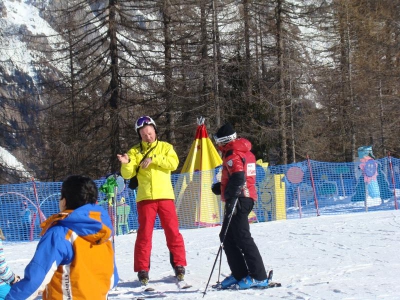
316 78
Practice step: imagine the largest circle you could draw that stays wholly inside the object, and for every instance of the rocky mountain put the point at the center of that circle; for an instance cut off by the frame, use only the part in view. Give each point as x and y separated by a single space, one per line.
20 74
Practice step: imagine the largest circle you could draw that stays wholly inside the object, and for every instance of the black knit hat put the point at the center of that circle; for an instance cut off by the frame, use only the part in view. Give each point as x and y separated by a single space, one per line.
225 134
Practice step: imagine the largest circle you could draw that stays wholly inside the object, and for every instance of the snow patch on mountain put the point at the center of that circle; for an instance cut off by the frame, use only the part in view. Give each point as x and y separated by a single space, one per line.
9 161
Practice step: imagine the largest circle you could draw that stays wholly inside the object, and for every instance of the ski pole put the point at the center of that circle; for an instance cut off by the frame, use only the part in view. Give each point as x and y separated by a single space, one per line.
221 245
219 270
115 211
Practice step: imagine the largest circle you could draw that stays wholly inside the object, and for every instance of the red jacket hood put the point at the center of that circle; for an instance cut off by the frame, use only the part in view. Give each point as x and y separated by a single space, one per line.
240 144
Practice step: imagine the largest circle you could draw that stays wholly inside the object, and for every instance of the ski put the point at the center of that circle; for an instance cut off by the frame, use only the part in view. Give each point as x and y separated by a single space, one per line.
150 292
148 296
235 287
183 285
274 284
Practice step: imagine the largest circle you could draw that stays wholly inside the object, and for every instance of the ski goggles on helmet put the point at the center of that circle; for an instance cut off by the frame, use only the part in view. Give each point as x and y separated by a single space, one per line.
225 139
142 121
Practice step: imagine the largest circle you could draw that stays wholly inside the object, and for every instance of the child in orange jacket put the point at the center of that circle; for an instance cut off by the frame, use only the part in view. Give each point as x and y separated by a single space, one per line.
75 256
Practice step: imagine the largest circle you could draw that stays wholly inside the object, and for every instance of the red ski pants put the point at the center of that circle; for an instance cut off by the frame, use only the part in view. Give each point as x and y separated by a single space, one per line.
147 213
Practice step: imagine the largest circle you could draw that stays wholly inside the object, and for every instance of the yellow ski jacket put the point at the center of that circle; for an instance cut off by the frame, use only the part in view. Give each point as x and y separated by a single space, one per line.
155 180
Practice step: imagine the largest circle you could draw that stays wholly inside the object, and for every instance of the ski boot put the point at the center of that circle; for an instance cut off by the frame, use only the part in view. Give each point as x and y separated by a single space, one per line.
180 273
228 282
249 282
143 277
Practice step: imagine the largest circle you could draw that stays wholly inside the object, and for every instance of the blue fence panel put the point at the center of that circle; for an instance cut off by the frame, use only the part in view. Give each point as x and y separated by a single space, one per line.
305 189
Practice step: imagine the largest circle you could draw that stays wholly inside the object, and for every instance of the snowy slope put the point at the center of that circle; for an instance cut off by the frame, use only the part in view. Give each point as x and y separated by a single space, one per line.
351 256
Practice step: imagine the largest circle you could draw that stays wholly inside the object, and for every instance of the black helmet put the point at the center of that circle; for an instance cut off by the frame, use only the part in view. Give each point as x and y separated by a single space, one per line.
225 134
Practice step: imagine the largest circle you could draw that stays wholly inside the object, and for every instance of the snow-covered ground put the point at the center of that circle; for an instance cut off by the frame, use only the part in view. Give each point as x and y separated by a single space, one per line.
349 256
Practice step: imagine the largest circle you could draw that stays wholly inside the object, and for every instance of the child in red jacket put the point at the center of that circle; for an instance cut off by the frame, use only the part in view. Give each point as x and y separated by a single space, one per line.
238 183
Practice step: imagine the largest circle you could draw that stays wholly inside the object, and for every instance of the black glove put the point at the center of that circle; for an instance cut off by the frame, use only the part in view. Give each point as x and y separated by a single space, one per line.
216 188
229 203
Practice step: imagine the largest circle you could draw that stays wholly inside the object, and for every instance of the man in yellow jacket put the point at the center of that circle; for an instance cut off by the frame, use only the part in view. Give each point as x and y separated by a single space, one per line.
152 162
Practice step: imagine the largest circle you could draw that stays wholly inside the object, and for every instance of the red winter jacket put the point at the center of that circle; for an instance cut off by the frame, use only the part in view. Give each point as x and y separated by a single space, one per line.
238 170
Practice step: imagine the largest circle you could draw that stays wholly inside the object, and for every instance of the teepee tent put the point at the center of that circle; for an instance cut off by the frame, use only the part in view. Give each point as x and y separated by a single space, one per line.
194 198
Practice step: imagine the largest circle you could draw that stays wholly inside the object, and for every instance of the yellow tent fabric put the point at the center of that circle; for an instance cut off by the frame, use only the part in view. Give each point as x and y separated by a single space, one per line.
202 155
194 198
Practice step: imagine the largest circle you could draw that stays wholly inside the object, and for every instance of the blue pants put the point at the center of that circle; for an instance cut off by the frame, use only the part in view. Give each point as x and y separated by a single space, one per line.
4 289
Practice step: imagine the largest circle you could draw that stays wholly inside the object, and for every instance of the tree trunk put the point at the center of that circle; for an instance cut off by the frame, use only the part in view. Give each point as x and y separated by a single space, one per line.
282 96
247 47
215 60
114 89
168 73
